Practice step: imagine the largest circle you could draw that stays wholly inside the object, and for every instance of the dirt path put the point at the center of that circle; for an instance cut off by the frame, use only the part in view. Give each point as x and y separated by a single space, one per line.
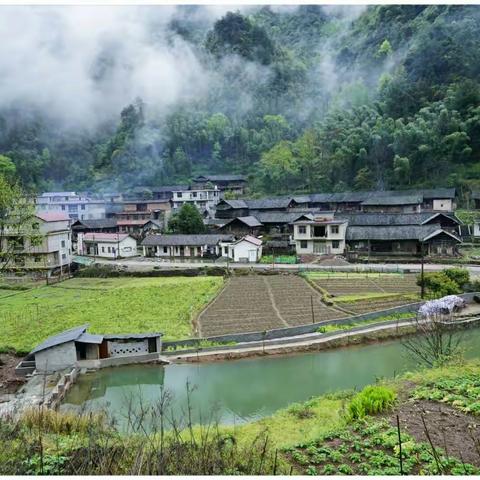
274 305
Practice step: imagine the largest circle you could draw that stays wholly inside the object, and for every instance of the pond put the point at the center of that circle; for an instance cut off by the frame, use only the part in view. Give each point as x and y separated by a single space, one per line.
243 390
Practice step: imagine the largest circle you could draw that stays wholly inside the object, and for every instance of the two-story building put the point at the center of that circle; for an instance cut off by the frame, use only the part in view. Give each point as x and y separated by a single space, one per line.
225 183
205 199
320 235
52 254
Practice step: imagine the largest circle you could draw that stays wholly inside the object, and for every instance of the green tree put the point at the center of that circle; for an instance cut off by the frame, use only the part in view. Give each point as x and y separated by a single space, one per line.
7 167
18 225
187 221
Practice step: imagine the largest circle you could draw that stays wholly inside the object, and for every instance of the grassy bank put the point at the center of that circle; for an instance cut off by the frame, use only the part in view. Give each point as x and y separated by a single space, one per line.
341 433
109 305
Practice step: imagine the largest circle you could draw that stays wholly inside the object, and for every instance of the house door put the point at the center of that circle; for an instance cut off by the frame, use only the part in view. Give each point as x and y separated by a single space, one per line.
103 349
319 248
252 255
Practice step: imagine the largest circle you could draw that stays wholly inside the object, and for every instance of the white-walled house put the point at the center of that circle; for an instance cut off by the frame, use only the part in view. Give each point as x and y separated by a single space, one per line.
107 245
205 199
207 245
246 249
320 235
77 207
53 253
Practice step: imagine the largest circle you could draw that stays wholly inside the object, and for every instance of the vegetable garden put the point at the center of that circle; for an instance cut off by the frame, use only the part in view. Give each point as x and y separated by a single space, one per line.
256 303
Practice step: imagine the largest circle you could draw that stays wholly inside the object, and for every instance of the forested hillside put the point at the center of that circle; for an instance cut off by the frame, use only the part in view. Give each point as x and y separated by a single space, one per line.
304 98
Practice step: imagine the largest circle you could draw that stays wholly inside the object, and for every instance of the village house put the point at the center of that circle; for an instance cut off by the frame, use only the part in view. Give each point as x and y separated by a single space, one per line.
75 206
207 245
78 348
320 235
164 193
247 249
205 199
53 254
242 226
107 245
226 183
402 234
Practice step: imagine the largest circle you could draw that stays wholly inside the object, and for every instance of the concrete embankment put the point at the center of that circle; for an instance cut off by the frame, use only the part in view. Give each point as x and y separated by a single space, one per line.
311 342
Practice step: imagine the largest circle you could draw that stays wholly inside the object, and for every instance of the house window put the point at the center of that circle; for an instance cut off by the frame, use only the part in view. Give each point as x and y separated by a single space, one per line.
63 207
194 194
165 249
179 194
334 229
103 249
109 250
225 249
302 229
335 243
63 243
37 258
303 244
83 206
64 256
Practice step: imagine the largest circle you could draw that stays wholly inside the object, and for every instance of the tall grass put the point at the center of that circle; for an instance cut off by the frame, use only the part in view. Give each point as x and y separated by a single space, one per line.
370 401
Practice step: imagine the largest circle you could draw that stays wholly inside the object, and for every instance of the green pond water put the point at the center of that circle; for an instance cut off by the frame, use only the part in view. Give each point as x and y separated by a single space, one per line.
242 390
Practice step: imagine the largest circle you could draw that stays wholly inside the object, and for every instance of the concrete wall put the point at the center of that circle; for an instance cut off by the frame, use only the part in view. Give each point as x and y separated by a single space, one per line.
310 328
117 361
56 358
444 204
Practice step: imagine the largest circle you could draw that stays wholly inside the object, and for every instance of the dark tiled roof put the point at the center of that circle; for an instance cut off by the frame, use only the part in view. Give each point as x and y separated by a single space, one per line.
189 240
385 219
394 200
221 178
268 203
250 221
404 232
96 223
64 337
277 217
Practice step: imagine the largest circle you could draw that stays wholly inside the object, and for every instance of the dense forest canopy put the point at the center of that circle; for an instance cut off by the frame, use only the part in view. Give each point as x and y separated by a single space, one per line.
305 98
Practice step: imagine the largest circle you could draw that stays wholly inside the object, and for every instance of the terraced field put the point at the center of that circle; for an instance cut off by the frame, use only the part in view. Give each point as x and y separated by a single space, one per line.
255 303
369 283
360 306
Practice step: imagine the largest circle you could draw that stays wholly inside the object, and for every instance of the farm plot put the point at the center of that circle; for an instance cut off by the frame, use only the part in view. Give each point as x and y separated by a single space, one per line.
257 303
374 304
294 299
363 284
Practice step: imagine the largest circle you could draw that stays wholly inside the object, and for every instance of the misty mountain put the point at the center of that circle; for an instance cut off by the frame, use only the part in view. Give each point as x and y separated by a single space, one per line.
299 98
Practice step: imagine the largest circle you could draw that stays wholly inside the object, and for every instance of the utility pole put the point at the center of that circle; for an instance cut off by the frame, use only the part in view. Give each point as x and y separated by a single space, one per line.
422 276
313 313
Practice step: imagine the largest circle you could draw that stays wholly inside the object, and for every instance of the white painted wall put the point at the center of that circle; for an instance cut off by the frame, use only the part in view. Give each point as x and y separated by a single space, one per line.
244 251
56 358
444 205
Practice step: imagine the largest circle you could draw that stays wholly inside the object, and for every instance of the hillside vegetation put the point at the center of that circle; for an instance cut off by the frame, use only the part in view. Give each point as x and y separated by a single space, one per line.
300 99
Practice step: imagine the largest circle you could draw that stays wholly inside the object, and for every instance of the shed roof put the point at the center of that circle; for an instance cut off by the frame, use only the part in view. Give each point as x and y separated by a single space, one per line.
188 240
63 337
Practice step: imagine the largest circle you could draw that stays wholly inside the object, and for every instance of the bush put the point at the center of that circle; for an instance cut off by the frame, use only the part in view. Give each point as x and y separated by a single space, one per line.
438 284
460 276
371 400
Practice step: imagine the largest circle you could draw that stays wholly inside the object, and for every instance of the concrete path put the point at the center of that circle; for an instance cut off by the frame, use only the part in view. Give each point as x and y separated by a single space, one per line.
147 264
295 342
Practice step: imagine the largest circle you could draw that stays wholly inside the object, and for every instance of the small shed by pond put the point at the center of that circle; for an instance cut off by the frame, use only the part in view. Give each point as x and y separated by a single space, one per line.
78 348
